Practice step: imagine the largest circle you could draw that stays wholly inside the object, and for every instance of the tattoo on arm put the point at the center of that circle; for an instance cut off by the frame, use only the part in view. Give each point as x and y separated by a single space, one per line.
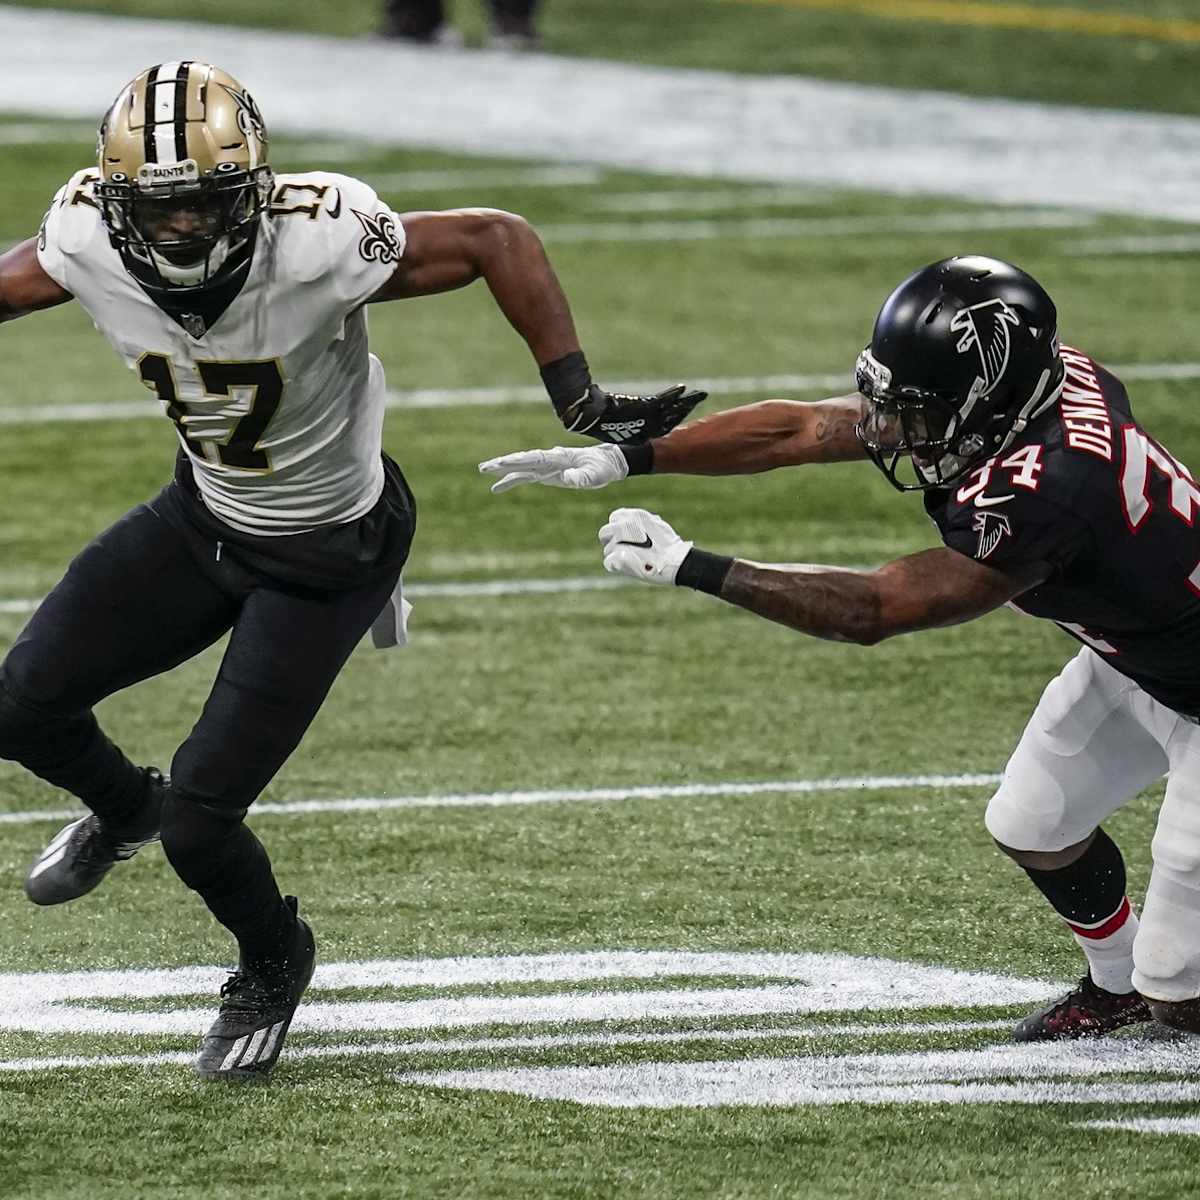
821 601
922 591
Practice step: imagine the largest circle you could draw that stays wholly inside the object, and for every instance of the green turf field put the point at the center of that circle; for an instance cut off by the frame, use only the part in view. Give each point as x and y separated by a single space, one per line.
984 47
594 689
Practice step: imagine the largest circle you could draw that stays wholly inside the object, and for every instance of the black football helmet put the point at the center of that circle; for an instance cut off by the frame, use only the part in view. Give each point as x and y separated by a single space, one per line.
963 355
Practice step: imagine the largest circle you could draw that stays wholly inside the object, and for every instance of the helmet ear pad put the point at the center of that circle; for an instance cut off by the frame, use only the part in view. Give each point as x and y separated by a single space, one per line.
976 333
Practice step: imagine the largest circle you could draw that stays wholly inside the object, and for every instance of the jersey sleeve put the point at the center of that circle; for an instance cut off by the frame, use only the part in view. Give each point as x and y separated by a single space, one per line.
368 242
68 224
1022 531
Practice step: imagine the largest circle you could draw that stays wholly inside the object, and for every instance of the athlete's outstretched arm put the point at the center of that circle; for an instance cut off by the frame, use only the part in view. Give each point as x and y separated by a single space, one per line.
922 591
761 437
24 286
448 250
739 441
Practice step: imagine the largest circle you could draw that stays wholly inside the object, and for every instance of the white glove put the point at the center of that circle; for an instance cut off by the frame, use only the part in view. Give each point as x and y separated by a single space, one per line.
563 466
642 545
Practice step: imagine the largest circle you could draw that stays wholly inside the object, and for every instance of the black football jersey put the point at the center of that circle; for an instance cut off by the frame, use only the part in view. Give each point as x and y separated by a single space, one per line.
1087 491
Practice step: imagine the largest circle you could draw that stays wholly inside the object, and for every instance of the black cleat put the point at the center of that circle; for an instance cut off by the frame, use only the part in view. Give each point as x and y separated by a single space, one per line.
257 1007
83 852
1087 1012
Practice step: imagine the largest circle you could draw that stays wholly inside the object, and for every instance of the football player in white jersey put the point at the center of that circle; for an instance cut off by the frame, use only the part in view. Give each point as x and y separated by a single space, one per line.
238 297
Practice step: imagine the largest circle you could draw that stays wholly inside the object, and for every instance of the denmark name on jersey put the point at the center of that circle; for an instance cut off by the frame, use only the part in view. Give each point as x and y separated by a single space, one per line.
278 406
1086 490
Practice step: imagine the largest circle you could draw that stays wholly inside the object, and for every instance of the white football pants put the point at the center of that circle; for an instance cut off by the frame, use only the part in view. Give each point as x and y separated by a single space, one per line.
1094 741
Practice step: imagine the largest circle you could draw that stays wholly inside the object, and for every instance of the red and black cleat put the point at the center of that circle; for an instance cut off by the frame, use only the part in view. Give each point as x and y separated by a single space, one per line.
1088 1011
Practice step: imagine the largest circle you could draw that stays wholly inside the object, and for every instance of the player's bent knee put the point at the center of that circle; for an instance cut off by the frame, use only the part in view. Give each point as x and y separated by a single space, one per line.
24 725
193 830
1020 824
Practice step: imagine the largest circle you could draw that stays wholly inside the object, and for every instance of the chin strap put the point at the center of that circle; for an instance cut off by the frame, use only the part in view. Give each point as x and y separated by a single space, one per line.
1033 408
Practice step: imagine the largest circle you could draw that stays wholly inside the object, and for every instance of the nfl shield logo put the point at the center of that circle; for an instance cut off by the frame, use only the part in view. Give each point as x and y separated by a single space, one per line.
193 324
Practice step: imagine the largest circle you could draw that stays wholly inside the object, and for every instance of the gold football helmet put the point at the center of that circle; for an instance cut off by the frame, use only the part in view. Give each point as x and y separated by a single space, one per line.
183 176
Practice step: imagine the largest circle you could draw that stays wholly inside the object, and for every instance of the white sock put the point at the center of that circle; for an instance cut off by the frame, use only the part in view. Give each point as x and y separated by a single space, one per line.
1108 946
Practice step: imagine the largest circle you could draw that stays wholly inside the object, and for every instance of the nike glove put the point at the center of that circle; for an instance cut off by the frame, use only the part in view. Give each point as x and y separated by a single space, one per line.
642 545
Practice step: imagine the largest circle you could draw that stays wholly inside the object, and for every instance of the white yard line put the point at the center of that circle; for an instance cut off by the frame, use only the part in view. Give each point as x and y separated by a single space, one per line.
521 393
918 224
685 791
483 588
501 1044
681 122
1189 1126
683 200
1135 244
480 177
42 133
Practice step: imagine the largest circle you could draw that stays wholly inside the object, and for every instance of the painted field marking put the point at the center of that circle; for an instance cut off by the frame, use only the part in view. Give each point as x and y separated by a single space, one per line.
41 133
1133 244
686 791
782 1083
1042 17
481 589
97 1002
1176 1125
920 224
510 1044
685 200
49 1002
478 177
420 398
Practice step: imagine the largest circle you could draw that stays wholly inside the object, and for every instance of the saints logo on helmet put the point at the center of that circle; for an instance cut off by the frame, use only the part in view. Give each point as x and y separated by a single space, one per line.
184 178
963 356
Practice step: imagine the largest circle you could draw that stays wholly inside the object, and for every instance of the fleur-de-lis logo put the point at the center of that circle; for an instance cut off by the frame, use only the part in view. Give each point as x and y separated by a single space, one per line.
986 329
250 120
380 242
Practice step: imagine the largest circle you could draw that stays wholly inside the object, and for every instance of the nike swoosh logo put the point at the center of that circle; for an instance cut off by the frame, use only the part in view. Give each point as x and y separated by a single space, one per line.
641 545
988 501
335 210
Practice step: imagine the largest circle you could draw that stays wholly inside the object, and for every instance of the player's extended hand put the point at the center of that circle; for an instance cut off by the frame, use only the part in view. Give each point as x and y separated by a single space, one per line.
642 545
562 466
616 417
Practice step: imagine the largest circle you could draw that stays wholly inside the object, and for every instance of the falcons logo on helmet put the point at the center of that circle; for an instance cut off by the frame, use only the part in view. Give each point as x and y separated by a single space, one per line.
991 527
985 328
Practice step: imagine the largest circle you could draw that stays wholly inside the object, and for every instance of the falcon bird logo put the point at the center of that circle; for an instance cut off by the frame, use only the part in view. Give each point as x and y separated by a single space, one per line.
991 527
379 243
986 329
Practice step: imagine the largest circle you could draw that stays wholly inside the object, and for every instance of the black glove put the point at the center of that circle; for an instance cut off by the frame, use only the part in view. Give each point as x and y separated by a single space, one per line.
585 407
612 417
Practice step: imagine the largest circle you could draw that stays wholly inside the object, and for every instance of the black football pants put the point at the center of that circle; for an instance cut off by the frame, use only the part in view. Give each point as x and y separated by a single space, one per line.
144 596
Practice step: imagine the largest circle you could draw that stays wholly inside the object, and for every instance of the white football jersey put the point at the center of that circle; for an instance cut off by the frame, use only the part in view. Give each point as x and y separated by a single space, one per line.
279 406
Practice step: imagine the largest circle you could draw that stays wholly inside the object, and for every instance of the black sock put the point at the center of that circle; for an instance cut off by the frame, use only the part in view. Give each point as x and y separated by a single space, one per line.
1091 889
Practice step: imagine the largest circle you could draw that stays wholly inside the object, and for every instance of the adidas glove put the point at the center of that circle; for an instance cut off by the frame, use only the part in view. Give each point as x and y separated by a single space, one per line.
586 408
642 545
614 417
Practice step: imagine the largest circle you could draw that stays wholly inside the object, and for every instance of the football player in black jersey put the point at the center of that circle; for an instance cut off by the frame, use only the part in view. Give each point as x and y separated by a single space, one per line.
1048 496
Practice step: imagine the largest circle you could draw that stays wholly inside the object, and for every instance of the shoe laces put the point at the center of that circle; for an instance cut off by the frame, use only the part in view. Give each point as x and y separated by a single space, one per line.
247 991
